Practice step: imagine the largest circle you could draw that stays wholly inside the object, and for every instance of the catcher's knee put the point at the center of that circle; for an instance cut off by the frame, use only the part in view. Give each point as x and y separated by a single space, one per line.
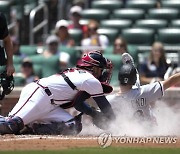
11 126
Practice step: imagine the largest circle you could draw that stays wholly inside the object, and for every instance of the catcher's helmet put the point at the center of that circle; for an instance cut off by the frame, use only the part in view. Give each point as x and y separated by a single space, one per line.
127 75
93 58
96 59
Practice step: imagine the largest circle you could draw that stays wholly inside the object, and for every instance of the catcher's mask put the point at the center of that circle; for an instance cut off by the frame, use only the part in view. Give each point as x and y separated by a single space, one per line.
94 60
6 84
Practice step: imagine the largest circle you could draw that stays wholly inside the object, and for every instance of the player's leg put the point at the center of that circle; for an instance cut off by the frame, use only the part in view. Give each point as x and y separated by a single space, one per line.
10 125
33 104
56 122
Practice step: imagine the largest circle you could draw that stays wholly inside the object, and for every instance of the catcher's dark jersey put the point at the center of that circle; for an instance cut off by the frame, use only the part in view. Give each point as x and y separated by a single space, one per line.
3 27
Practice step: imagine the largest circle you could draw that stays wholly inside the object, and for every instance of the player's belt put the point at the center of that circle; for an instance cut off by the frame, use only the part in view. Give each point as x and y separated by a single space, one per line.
46 90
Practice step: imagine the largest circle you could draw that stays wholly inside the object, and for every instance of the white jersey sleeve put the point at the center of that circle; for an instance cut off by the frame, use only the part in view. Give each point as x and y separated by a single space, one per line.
152 92
93 87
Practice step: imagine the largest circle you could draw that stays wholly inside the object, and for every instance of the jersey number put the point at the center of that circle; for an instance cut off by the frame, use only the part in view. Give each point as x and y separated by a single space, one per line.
141 102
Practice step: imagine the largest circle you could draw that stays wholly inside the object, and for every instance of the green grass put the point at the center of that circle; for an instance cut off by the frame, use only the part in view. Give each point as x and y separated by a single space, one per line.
111 150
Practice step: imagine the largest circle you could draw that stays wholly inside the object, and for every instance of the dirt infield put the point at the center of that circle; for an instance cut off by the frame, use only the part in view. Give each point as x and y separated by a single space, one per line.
11 142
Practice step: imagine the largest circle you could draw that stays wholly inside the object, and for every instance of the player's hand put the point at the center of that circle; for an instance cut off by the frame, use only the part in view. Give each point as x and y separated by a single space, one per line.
10 69
100 121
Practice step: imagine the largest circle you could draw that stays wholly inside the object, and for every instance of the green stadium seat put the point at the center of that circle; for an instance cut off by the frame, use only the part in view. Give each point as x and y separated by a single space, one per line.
171 4
175 23
19 81
138 36
37 70
50 66
96 14
44 67
2 69
109 49
29 5
142 4
37 59
132 49
117 62
128 13
163 13
107 4
170 36
76 35
116 23
28 49
110 33
5 8
17 68
151 23
17 59
74 54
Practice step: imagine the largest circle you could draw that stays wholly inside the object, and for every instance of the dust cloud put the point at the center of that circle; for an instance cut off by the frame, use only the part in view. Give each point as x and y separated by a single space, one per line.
167 123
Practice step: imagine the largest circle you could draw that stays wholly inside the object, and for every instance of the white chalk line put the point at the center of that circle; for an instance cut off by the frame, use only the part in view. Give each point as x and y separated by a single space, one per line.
49 137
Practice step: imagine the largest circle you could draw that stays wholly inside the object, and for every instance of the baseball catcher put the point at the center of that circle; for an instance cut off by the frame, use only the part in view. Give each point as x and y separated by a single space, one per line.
40 109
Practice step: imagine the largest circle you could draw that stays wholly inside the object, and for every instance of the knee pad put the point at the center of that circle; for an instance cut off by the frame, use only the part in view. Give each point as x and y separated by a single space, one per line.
11 126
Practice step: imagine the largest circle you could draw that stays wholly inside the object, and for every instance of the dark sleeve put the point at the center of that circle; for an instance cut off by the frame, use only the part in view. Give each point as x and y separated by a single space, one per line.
80 105
102 102
105 106
3 27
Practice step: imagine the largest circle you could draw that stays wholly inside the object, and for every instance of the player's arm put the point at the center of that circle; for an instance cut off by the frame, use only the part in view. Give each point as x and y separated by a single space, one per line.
171 81
102 102
9 52
93 87
80 105
105 107
7 45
